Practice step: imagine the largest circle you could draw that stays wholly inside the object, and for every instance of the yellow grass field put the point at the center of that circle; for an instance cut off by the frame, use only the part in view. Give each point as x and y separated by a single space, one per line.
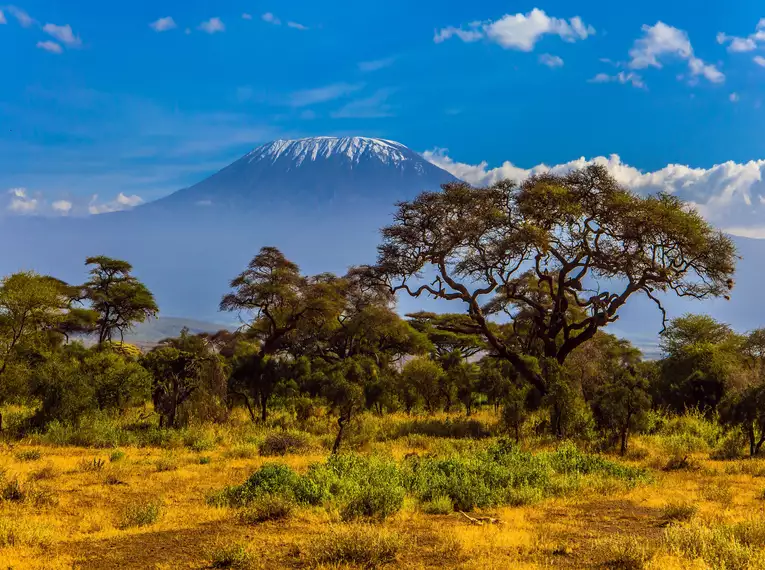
71 507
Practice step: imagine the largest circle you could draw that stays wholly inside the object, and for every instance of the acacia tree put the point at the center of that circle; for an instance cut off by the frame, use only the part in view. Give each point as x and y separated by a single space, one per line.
581 237
32 307
283 308
119 298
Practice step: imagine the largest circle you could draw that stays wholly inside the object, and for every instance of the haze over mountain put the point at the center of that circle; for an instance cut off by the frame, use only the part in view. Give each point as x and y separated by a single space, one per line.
321 200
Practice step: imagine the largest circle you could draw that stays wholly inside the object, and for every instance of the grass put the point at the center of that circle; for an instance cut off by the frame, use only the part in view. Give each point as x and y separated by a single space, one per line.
678 512
366 546
399 495
138 514
231 556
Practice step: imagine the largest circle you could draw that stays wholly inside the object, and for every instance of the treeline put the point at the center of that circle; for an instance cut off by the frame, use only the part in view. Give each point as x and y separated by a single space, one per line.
539 270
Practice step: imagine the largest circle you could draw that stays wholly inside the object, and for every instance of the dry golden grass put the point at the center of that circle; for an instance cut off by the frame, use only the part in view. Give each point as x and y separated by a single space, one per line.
83 525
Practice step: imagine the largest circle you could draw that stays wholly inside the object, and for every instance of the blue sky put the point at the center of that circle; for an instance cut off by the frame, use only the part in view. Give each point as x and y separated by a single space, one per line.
95 100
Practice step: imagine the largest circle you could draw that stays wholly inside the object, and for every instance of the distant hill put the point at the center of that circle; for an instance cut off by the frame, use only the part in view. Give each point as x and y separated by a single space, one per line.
166 327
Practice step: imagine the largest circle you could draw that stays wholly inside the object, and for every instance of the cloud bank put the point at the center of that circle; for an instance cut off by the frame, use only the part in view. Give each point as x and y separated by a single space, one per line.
730 195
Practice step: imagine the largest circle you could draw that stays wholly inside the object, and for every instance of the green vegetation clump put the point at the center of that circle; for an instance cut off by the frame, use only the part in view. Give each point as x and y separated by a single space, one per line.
282 443
235 556
266 508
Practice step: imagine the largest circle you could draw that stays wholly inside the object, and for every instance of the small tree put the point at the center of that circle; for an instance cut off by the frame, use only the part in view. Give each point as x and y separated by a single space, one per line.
514 409
745 408
424 376
343 388
118 297
176 376
620 405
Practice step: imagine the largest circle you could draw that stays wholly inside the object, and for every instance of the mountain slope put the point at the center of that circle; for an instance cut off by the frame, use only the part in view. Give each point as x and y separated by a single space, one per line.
321 200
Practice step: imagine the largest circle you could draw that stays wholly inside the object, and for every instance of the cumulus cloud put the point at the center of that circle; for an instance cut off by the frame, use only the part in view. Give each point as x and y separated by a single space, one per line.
64 34
662 42
212 26
121 202
21 203
759 60
730 195
52 47
62 206
622 77
744 44
297 26
519 31
21 16
550 60
163 24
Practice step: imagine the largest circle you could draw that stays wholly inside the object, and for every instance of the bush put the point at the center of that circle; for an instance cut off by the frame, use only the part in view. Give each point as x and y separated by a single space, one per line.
205 460
374 501
678 512
13 492
284 442
730 447
230 556
271 479
139 514
28 455
626 553
362 545
438 506
266 508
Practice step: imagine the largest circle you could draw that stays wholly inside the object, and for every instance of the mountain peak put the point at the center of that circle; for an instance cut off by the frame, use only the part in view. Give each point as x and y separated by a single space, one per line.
351 149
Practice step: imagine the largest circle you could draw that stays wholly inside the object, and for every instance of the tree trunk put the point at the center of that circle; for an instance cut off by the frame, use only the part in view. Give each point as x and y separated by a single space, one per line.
750 430
1 421
517 432
341 422
247 402
263 408
625 434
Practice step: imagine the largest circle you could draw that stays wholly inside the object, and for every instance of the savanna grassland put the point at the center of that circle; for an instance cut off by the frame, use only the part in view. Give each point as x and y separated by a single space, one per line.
411 492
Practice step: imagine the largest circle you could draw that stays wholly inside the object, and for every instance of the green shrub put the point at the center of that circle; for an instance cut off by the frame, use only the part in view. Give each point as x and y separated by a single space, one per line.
729 547
198 440
230 556
282 443
459 428
28 455
361 545
730 447
266 508
374 501
694 426
142 513
116 455
271 479
205 460
678 512
245 451
438 506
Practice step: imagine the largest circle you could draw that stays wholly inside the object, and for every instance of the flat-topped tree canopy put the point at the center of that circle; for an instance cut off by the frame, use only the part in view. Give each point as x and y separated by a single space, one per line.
582 239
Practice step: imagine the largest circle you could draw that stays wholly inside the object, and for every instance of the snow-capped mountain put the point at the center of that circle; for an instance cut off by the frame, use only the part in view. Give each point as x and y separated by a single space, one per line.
319 171
321 200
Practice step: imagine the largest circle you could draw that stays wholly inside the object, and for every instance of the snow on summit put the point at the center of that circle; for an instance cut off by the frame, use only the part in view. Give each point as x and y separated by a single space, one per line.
354 149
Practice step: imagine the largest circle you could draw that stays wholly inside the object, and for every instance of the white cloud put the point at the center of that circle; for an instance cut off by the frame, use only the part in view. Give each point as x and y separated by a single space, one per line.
246 16
661 42
734 98
759 60
297 26
62 206
21 203
121 202
52 47
163 24
64 34
738 44
212 25
550 60
2 18
376 64
21 16
374 107
519 31
271 19
730 195
622 77
322 94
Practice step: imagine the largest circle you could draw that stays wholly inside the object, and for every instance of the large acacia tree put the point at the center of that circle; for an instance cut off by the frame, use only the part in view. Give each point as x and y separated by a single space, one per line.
585 240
